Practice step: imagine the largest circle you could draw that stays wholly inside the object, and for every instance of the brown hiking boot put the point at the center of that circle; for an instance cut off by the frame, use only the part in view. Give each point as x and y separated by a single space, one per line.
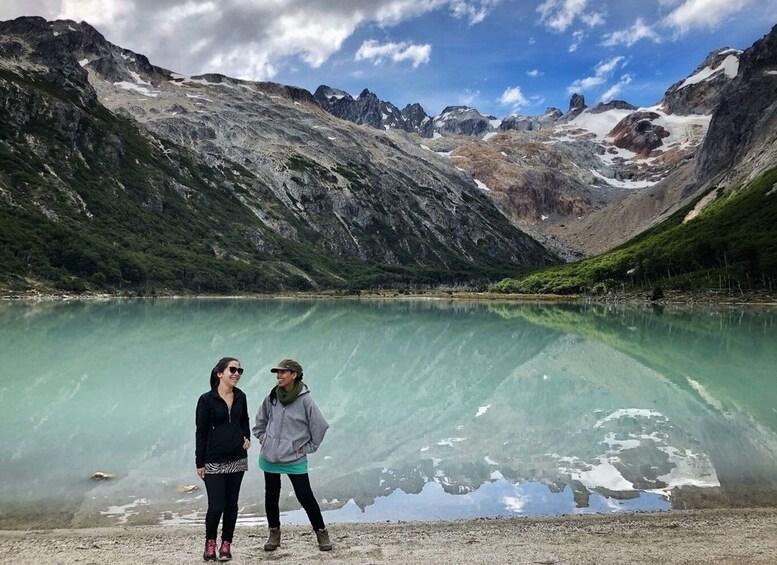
274 541
323 540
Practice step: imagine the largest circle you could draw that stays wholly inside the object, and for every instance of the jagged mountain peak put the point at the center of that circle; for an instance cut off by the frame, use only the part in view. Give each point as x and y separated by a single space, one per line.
26 25
464 120
329 93
577 102
700 91
370 110
744 121
461 109
367 94
612 105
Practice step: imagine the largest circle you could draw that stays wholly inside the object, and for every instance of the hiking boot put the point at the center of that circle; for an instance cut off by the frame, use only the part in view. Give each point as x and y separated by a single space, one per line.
225 551
323 540
210 550
274 540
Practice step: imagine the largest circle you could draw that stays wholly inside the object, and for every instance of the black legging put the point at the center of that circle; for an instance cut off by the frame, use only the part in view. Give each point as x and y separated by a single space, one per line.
223 491
301 484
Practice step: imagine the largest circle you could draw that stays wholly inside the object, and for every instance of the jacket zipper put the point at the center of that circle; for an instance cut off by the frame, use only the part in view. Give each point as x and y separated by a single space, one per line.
229 409
280 428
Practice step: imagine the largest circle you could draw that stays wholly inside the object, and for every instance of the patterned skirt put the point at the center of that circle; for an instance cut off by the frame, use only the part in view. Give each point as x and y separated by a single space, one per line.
236 466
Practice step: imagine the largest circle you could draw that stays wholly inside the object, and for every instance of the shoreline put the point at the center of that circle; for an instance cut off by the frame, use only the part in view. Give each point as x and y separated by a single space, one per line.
671 297
722 536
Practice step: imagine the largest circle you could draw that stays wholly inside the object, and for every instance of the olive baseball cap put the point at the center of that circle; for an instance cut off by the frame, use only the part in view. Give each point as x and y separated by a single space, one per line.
287 365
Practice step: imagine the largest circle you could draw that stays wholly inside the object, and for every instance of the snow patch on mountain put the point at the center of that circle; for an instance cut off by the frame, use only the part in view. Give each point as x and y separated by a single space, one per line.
630 184
125 85
729 66
481 185
598 124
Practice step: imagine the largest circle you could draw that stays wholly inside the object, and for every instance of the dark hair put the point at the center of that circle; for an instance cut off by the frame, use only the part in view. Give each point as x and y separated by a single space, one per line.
274 395
220 366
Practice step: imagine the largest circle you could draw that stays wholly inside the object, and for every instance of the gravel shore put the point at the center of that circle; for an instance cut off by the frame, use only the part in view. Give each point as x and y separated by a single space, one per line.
742 536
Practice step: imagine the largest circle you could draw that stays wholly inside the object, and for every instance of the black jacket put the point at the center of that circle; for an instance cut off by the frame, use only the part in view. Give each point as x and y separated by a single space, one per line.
220 431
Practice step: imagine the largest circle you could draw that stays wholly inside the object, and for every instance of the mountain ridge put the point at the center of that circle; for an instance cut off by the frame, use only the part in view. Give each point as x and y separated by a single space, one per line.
326 198
618 151
321 203
718 229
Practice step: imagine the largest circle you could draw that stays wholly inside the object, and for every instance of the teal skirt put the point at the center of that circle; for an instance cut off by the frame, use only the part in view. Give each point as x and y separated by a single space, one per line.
297 468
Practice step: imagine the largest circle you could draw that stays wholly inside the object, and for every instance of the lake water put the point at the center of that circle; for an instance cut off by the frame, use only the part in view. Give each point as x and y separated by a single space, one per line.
438 410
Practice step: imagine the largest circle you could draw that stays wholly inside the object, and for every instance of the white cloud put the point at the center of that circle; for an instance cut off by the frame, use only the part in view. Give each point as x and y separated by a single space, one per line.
200 45
397 52
469 98
560 14
512 96
249 39
175 16
703 13
602 73
96 12
604 68
534 73
577 39
391 12
593 20
475 12
583 84
248 62
630 36
616 88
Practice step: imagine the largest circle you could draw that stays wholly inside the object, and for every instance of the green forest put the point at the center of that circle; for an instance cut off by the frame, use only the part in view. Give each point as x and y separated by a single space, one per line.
731 245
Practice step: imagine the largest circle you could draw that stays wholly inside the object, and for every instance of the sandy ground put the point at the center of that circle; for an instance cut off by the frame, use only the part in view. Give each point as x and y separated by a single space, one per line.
708 536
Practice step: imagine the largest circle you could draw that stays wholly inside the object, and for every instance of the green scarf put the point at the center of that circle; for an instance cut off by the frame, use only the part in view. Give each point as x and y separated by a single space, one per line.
287 398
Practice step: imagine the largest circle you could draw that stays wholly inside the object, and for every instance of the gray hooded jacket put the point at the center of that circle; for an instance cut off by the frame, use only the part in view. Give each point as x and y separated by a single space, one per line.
283 430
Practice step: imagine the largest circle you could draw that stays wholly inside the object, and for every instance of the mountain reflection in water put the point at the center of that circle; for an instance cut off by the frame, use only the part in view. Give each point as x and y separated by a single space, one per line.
437 409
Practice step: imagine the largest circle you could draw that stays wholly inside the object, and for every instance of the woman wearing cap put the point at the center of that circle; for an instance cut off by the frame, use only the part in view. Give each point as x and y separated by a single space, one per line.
289 426
222 438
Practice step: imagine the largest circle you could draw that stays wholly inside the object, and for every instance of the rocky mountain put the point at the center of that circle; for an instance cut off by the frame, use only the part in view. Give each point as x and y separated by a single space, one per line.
710 223
739 143
742 136
115 172
700 92
528 123
548 173
463 120
637 133
368 109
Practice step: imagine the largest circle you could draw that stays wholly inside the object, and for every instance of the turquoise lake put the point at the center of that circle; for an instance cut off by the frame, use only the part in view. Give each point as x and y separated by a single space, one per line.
438 409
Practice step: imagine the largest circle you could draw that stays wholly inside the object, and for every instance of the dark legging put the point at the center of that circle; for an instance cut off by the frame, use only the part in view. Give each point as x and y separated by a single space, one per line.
223 491
301 484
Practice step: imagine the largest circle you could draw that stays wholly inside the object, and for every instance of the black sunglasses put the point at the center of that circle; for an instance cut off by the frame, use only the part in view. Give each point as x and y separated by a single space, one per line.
233 370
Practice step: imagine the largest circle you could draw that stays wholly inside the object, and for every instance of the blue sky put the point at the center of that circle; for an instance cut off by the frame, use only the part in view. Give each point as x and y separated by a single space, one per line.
500 56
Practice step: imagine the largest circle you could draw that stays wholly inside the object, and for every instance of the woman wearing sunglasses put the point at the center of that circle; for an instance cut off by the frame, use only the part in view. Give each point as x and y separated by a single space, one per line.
222 438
